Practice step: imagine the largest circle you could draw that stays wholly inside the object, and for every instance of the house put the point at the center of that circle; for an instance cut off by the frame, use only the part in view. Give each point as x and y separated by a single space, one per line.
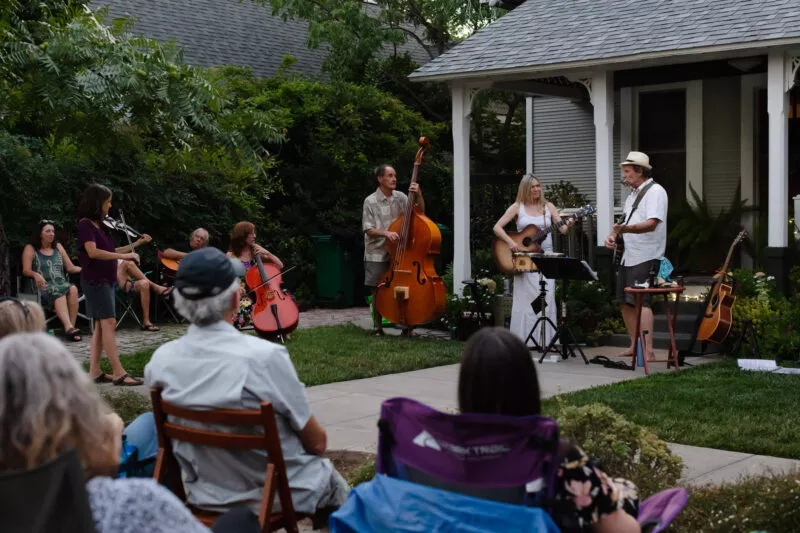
232 32
708 88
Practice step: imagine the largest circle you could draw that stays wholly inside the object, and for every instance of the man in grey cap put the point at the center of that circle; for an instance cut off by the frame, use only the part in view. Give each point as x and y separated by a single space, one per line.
218 367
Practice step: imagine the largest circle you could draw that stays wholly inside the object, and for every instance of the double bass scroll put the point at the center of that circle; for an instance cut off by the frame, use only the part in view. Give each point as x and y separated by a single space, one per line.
411 292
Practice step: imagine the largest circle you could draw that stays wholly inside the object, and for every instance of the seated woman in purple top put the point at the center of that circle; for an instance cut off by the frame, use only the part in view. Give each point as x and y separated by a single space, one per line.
98 259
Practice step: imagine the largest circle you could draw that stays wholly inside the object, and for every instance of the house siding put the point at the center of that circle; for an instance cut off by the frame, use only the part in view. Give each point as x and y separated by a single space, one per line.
563 143
721 142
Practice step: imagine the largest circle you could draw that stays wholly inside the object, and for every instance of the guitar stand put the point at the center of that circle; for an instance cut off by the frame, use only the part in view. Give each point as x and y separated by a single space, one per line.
748 332
543 319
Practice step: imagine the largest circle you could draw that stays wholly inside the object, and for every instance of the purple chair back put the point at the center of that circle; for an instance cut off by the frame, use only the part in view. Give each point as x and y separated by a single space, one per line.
657 511
504 458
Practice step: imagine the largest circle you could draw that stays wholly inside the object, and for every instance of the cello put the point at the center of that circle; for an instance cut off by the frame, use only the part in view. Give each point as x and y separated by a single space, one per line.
274 312
411 292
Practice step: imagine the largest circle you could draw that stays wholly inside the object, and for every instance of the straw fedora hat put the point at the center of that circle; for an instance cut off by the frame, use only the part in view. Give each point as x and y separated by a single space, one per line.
637 158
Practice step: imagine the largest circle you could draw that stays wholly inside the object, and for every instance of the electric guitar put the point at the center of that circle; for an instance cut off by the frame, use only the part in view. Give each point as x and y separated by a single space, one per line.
529 239
718 316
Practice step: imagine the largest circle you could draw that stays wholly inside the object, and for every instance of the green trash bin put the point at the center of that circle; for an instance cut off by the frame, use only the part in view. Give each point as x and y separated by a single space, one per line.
335 272
445 256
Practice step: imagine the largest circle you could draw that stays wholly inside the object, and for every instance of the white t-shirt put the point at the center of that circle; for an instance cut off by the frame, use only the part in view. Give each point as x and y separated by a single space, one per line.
641 247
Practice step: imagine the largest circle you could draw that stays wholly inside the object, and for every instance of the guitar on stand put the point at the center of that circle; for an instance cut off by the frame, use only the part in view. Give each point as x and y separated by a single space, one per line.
529 240
714 321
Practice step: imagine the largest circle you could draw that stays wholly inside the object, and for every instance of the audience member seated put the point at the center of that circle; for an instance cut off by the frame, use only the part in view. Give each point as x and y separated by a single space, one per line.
133 281
217 367
498 376
46 262
49 406
197 239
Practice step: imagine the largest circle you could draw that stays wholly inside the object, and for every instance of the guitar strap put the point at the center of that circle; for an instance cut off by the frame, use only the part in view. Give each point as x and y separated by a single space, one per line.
638 199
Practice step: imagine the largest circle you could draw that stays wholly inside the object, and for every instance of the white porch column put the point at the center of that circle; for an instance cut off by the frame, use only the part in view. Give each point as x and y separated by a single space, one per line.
462 264
778 108
601 89
529 134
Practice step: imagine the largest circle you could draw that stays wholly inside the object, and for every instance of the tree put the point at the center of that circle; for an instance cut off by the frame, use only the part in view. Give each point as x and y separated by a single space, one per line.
82 102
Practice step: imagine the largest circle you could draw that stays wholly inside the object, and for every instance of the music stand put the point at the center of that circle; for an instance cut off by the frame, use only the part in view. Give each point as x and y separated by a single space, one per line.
564 269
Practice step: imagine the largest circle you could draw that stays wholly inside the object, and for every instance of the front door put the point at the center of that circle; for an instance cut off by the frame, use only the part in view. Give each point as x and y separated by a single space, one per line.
662 136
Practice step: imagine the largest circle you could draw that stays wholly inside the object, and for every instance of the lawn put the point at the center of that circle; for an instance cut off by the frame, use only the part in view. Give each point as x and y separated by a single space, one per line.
342 353
713 405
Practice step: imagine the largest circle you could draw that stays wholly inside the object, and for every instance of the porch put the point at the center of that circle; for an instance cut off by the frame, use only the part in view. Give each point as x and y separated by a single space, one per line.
710 123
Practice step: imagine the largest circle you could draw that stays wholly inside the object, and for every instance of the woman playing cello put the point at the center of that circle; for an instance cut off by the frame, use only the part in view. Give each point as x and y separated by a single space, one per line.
244 248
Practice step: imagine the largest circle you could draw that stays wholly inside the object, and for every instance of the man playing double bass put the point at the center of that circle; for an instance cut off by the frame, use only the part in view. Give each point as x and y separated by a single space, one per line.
381 208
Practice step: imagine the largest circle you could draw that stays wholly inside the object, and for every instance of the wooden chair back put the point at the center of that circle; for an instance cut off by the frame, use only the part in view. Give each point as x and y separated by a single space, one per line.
167 470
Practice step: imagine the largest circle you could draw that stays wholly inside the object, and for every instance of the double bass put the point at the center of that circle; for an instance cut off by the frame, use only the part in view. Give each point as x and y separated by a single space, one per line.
275 313
411 292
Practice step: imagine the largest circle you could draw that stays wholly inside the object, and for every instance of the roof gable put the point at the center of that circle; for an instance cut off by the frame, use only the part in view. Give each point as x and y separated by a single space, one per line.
542 33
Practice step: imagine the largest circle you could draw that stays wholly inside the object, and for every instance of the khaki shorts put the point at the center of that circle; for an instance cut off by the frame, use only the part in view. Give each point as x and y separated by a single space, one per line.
373 271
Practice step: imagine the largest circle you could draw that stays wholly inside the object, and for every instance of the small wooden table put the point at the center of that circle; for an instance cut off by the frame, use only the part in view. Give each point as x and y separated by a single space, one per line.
672 315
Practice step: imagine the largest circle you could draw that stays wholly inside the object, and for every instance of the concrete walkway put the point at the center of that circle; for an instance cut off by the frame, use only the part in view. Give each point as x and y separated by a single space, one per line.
349 412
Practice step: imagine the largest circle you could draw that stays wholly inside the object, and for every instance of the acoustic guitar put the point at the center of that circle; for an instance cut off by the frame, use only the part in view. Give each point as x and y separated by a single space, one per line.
529 240
718 316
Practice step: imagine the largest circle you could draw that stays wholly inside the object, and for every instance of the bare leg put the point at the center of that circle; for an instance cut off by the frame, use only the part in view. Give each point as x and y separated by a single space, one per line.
647 325
142 286
96 351
62 312
135 272
108 327
629 317
377 319
72 304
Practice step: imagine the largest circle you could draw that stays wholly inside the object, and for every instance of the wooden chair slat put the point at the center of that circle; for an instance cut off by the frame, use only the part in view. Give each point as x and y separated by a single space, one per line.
228 417
202 437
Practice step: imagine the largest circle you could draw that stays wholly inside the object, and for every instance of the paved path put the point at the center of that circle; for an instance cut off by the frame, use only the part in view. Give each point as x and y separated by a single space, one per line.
349 410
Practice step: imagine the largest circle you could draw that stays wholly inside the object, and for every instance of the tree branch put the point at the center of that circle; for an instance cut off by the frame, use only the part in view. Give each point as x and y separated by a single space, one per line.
415 36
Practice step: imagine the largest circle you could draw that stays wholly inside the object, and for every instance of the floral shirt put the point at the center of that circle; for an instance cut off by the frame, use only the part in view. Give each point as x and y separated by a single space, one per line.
584 493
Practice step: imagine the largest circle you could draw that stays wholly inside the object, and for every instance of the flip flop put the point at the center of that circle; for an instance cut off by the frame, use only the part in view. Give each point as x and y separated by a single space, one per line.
120 381
149 327
103 378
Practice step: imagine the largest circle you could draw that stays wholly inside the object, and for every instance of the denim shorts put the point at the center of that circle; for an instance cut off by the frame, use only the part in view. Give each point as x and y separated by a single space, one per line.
100 302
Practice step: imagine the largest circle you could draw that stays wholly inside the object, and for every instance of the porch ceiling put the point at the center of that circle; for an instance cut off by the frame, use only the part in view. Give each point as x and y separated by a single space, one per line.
555 37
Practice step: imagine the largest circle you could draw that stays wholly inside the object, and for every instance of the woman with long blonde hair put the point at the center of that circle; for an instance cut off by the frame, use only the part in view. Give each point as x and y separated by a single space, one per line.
530 207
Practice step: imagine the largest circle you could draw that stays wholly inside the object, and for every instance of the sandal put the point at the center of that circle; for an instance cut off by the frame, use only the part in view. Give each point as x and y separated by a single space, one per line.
149 327
120 381
408 333
73 335
103 378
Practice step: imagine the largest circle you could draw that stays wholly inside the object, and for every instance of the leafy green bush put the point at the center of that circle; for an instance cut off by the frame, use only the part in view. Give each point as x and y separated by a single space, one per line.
565 194
623 448
769 503
589 304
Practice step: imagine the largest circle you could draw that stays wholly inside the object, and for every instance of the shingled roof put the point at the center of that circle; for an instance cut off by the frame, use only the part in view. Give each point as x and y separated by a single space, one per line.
229 32
551 34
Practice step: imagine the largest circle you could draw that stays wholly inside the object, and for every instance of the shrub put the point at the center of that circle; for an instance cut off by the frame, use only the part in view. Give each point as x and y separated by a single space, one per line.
623 448
363 473
765 503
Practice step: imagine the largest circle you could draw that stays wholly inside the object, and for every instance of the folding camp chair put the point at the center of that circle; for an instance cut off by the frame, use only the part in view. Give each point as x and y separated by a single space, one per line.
50 498
27 290
502 458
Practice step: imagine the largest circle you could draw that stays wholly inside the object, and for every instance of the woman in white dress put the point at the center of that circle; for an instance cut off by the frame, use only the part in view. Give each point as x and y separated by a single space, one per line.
530 207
